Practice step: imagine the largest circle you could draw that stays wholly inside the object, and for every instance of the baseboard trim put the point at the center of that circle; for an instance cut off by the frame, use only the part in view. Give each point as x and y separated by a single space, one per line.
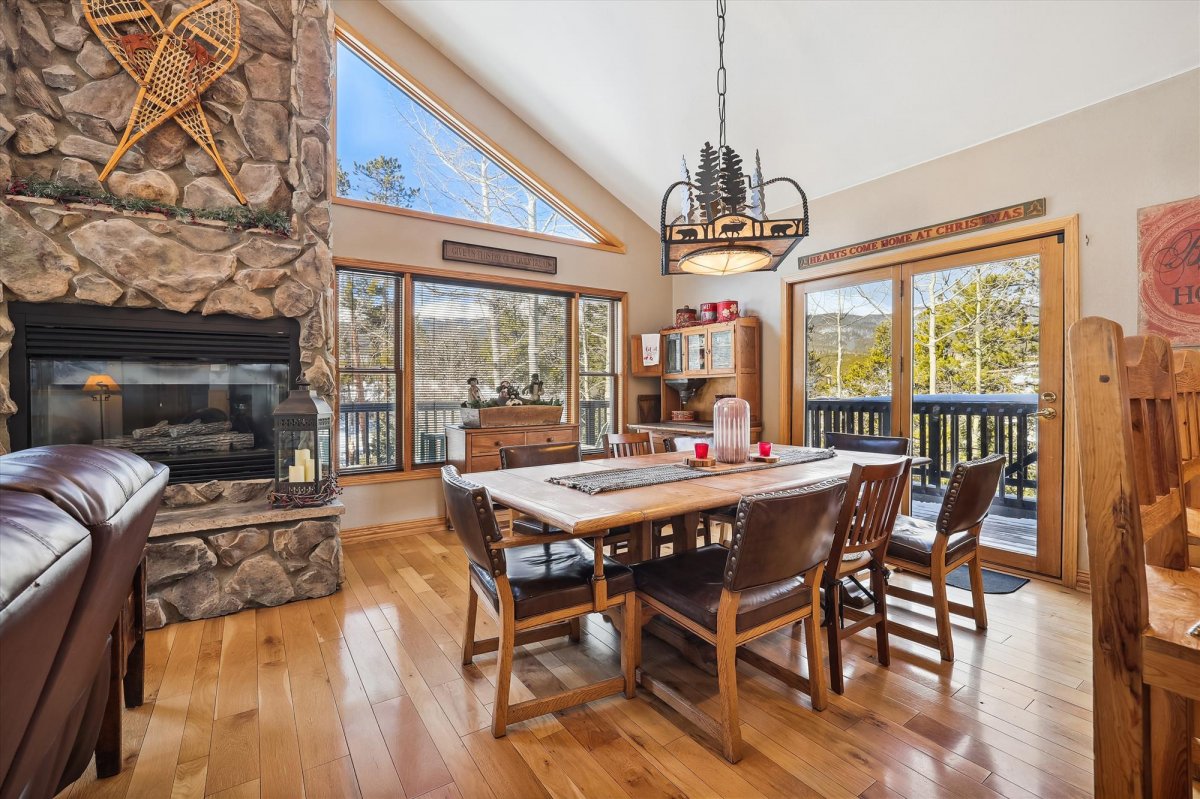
1083 582
376 532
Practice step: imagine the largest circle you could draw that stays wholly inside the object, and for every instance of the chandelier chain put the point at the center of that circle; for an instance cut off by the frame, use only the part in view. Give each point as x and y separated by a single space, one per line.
721 73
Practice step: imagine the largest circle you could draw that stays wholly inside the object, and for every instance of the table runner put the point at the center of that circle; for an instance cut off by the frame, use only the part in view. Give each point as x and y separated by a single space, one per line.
618 479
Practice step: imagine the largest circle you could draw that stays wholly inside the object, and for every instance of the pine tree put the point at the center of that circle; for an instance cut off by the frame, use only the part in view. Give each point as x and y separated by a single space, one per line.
708 187
687 204
733 182
385 181
757 207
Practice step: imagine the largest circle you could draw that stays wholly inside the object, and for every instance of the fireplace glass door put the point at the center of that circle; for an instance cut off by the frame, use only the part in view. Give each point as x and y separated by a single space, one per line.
192 415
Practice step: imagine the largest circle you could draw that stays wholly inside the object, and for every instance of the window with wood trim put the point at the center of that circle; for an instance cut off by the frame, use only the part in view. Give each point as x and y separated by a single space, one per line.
370 361
493 334
459 328
599 354
398 147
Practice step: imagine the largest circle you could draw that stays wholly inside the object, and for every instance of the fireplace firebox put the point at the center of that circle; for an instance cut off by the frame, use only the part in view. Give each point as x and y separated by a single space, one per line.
193 392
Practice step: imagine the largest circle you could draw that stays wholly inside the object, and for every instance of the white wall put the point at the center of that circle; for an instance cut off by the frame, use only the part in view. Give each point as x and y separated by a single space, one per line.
361 233
1102 162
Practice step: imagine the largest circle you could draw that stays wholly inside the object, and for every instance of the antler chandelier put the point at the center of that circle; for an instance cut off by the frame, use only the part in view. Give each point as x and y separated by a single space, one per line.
722 227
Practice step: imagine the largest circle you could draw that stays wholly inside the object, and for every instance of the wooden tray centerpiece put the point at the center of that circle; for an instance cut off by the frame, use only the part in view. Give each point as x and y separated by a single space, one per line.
509 408
510 415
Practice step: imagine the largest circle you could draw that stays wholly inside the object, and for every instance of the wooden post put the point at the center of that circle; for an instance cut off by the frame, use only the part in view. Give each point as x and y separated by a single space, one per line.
1116 558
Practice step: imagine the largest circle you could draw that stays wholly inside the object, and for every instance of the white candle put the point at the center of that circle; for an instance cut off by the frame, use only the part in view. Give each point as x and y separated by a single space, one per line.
309 470
301 456
295 474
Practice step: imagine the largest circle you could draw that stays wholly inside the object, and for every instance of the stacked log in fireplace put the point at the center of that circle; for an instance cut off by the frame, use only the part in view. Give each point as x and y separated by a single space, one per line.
181 438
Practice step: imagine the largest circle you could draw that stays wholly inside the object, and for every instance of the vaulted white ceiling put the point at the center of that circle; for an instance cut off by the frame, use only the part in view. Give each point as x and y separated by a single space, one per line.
832 93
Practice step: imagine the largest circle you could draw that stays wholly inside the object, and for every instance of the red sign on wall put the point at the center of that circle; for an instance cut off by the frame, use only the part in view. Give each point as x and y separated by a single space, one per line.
1169 271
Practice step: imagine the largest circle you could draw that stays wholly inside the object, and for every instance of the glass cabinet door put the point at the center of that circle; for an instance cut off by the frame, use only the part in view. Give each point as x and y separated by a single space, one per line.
673 363
695 344
720 354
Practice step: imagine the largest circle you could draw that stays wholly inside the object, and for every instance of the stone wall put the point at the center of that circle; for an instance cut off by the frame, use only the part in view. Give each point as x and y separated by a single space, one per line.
64 103
216 548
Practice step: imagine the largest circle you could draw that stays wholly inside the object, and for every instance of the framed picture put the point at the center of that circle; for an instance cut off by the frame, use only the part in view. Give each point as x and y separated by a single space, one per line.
1169 271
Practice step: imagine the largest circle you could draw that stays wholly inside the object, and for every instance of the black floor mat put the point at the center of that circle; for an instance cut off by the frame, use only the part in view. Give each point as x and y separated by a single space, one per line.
993 582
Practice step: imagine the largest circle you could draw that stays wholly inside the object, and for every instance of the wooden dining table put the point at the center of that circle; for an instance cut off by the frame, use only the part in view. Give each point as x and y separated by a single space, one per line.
581 515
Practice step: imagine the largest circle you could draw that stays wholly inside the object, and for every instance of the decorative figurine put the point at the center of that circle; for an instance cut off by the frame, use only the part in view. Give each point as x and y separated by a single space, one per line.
535 387
474 395
503 391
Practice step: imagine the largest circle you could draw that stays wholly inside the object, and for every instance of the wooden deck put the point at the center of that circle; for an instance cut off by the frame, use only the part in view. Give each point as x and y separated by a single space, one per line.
1015 535
361 695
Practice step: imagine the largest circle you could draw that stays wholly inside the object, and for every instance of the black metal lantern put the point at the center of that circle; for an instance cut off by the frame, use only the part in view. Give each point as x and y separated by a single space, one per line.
303 449
722 227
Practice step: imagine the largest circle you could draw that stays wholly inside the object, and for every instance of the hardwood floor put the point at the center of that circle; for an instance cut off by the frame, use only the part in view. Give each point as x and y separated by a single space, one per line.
360 695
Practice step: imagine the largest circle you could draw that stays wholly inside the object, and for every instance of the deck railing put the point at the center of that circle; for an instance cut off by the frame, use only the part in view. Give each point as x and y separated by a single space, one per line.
948 428
368 431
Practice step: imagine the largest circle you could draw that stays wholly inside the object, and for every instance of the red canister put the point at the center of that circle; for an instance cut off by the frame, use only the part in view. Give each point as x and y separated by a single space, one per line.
708 312
727 310
685 316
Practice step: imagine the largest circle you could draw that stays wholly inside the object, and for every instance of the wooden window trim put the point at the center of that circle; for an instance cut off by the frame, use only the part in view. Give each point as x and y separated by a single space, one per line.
604 240
407 470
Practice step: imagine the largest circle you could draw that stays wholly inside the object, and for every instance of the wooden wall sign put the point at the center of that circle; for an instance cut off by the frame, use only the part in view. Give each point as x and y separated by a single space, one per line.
1169 271
493 256
999 216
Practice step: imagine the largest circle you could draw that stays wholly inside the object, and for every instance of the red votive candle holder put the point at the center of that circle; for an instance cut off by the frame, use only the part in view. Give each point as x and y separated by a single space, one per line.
701 451
764 449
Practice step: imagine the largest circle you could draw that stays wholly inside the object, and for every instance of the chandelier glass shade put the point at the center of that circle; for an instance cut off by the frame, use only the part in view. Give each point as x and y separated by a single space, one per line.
722 226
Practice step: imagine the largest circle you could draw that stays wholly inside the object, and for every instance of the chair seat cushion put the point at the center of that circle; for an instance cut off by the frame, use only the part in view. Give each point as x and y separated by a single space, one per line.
549 577
691 583
912 541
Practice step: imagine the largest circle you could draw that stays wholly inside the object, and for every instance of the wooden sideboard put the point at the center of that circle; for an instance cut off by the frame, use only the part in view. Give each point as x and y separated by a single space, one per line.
477 449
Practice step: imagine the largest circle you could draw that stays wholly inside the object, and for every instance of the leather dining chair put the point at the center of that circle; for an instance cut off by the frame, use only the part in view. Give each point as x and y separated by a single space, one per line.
538 455
859 442
769 578
873 496
546 455
936 549
533 592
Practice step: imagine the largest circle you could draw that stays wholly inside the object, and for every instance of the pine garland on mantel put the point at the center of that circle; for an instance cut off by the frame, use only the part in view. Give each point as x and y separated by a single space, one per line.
235 217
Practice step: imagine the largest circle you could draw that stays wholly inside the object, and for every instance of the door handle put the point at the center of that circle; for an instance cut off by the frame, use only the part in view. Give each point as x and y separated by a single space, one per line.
1045 413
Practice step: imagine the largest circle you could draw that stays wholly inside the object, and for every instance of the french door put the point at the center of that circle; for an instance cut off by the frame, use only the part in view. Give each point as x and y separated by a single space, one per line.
964 355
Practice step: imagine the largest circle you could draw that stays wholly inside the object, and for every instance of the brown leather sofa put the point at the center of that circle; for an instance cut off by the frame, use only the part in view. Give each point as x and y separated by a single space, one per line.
73 526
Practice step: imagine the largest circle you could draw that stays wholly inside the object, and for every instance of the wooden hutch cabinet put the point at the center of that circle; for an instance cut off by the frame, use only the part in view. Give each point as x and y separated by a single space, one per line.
703 363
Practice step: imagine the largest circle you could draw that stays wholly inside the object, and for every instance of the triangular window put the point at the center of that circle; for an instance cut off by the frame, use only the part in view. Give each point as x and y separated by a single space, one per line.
397 147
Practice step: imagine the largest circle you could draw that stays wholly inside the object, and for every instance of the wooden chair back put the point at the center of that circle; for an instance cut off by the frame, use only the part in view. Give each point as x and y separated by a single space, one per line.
1108 458
873 496
625 445
684 443
1187 422
1150 386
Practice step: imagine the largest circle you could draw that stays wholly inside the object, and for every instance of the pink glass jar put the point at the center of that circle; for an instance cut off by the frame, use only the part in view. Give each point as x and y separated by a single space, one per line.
731 430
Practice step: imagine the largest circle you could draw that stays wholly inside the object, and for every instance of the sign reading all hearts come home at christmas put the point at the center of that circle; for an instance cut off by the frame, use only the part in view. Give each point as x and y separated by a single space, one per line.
965 224
1169 271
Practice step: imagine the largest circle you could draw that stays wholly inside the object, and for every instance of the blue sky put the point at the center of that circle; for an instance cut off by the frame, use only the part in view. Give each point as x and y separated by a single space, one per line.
374 117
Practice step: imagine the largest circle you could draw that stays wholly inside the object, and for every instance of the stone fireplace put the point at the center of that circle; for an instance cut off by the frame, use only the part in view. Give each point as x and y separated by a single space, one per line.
64 103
